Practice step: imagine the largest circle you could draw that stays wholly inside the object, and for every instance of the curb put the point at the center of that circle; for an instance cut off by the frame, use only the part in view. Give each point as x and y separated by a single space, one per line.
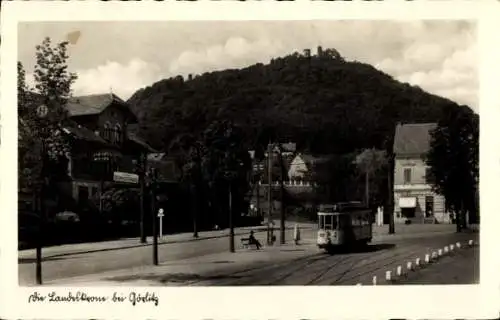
138 245
401 271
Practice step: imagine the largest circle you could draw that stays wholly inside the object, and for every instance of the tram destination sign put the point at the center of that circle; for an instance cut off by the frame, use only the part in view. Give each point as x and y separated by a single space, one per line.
125 177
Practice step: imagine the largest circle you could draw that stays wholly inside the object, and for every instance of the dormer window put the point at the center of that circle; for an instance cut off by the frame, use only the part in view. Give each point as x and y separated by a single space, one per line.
118 134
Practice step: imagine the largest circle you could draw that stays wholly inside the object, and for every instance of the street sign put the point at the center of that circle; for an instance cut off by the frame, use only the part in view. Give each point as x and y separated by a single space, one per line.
125 177
42 111
160 213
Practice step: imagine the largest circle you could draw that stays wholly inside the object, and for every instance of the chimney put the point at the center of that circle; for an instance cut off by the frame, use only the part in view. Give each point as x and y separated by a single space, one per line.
320 51
190 77
307 53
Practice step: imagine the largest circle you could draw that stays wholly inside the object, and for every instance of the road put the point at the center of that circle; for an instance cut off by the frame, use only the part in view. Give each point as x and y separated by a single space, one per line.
348 268
461 268
71 265
183 264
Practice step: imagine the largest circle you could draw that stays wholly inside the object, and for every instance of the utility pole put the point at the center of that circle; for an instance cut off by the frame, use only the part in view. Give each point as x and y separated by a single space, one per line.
258 191
41 234
282 195
367 187
269 192
153 216
142 172
42 112
390 196
231 226
194 208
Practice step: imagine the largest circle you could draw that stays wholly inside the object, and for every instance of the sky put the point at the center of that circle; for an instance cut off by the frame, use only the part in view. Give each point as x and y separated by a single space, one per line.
439 56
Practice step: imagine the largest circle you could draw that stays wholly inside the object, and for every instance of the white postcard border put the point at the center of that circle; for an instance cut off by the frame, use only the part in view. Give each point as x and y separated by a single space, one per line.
271 302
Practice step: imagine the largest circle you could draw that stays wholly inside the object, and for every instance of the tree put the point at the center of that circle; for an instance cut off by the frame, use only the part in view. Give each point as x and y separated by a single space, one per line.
453 159
371 164
52 89
193 153
43 148
227 165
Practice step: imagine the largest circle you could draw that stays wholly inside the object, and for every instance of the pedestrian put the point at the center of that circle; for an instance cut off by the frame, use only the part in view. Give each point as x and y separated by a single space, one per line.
252 240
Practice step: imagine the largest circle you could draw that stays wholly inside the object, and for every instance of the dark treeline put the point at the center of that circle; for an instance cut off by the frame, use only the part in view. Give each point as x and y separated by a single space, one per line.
323 103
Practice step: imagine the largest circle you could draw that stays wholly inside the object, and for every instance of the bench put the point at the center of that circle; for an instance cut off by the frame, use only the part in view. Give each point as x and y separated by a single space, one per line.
245 242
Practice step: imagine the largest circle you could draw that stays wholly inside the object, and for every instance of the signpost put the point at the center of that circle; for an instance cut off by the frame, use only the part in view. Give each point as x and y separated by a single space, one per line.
161 215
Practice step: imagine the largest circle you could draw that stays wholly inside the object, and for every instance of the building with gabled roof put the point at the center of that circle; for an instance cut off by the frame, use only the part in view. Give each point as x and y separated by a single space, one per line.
103 151
414 198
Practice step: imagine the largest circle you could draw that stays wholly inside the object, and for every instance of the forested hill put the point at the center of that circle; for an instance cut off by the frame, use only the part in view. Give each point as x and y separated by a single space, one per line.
323 103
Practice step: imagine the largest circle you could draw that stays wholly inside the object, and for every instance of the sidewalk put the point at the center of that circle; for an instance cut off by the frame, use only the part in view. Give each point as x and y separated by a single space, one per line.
308 235
193 271
127 243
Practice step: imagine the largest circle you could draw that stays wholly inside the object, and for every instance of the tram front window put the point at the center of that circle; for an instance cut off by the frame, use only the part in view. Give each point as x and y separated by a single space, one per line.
328 222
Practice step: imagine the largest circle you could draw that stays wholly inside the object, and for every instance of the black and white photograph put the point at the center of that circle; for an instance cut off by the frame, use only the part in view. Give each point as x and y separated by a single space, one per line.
252 153
233 153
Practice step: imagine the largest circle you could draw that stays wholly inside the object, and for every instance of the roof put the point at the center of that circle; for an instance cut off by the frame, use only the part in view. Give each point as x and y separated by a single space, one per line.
156 156
136 139
94 104
311 160
413 138
79 132
289 147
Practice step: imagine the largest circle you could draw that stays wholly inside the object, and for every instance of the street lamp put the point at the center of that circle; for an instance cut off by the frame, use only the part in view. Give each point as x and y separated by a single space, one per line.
41 112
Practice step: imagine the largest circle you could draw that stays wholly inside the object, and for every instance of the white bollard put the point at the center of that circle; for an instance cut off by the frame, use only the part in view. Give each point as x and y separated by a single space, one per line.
374 280
417 262
440 252
452 247
399 271
446 249
358 284
427 258
409 266
458 245
388 275
471 242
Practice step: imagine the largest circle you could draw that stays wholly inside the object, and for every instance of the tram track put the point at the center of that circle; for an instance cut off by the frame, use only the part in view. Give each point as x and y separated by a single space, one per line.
338 269
374 265
373 268
308 271
360 257
374 259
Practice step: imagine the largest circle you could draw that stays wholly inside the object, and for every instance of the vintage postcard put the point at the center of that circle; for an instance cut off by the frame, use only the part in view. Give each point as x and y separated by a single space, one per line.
249 160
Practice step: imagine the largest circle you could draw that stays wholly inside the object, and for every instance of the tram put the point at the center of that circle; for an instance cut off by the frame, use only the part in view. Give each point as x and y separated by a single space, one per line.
344 224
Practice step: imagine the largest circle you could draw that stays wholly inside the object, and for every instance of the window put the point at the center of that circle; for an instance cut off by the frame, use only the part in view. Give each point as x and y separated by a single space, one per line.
328 222
344 221
407 175
118 134
429 178
107 131
429 206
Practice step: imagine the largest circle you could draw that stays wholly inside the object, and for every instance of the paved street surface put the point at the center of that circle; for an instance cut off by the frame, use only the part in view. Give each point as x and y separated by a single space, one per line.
89 258
208 262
